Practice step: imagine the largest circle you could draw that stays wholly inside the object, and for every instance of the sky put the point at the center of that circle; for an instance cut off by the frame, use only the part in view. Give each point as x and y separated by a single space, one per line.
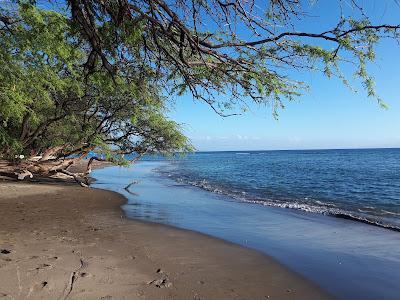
328 116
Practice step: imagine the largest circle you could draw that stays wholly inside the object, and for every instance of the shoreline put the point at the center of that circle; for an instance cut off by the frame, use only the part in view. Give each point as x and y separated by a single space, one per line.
333 253
339 214
58 234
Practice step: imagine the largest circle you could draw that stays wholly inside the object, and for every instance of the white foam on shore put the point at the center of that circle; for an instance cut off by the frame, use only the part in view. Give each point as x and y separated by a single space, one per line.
314 206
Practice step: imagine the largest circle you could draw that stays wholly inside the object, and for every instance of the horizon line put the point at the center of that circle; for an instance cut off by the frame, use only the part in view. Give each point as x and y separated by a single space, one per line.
302 149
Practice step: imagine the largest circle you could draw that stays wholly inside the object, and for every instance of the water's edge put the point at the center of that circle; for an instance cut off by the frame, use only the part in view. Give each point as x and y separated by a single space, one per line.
360 184
348 259
98 185
323 210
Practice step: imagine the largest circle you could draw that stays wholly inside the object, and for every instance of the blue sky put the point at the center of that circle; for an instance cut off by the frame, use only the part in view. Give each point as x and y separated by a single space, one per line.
328 116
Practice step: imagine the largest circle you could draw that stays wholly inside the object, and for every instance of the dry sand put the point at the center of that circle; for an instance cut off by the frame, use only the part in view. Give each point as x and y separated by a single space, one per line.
67 242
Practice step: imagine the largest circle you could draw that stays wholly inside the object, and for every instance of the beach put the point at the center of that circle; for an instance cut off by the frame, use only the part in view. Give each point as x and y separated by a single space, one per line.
61 241
199 150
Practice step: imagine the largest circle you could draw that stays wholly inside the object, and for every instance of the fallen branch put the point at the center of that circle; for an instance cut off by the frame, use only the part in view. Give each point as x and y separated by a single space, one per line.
76 177
24 173
129 185
49 167
89 165
28 168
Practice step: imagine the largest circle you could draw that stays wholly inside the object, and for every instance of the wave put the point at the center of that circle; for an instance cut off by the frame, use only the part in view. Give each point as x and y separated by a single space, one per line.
312 206
368 221
390 212
337 213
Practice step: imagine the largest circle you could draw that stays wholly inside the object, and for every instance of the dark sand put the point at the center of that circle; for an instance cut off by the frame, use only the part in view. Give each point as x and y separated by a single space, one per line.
64 241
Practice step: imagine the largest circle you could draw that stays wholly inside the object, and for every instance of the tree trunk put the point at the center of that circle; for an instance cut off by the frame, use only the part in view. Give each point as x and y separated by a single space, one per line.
51 151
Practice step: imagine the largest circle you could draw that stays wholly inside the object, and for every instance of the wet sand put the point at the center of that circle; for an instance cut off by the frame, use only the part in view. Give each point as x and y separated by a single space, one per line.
67 242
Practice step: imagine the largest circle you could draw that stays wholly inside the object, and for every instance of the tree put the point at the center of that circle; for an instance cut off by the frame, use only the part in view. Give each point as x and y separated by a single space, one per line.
108 66
226 52
49 106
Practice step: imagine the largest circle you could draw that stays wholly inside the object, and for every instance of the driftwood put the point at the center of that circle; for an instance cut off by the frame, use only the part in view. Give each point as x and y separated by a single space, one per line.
23 174
48 166
129 185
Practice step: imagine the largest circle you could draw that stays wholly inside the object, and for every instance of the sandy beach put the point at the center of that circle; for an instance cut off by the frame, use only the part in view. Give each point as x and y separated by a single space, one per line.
61 241
201 150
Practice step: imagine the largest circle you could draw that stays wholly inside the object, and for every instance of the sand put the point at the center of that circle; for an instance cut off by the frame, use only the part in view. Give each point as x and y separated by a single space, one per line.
61 241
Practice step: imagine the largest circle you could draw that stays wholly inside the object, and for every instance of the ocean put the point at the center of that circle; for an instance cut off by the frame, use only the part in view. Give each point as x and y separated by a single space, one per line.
360 184
330 215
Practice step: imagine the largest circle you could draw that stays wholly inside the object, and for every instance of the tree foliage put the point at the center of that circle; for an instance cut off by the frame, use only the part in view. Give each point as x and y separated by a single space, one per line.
226 52
95 74
49 105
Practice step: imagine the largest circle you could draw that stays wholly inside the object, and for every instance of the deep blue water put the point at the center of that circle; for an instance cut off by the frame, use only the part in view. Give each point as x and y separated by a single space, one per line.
360 184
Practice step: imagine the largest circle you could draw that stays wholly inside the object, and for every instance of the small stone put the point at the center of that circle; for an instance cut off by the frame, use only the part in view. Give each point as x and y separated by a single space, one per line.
5 251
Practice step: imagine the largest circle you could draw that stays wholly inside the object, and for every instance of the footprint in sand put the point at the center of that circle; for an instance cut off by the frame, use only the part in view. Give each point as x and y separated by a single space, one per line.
85 274
91 228
37 287
77 252
41 267
162 282
53 258
4 261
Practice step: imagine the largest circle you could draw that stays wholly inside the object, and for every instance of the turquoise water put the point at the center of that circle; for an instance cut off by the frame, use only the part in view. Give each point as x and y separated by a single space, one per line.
362 185
349 259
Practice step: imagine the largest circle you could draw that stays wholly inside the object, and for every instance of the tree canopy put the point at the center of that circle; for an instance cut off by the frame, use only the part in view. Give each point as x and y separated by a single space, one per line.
50 106
229 52
97 74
